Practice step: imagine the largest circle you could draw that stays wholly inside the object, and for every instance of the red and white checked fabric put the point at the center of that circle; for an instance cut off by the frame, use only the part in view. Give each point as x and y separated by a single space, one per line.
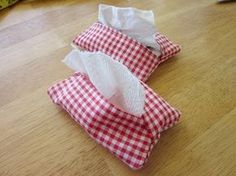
168 48
128 137
140 60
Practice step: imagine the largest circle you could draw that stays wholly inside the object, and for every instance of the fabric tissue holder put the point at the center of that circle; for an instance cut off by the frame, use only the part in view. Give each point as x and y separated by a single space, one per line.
140 58
107 94
128 136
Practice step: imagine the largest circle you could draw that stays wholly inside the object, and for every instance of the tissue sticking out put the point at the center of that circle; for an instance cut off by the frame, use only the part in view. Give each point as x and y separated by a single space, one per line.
136 23
112 79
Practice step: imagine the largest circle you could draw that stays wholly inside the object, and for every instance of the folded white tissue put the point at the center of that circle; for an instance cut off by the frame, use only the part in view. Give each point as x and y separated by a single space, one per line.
136 23
112 79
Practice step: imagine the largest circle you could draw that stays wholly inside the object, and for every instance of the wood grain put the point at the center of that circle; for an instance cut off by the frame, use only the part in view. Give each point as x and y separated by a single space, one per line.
38 138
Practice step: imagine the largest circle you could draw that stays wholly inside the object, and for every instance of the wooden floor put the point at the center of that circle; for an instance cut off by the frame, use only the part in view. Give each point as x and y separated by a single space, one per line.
38 138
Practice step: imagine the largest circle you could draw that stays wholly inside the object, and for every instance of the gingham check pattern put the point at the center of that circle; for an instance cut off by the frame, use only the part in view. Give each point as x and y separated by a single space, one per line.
130 138
140 60
168 48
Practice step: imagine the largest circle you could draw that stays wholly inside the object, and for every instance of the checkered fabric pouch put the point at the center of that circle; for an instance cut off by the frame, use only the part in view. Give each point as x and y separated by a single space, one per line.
140 60
128 137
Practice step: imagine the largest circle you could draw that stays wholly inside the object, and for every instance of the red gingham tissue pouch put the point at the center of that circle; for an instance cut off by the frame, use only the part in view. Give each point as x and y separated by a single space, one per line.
139 59
128 35
129 137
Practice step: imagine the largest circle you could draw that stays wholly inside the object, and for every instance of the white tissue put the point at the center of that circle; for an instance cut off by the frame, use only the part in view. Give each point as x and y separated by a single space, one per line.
136 23
112 79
